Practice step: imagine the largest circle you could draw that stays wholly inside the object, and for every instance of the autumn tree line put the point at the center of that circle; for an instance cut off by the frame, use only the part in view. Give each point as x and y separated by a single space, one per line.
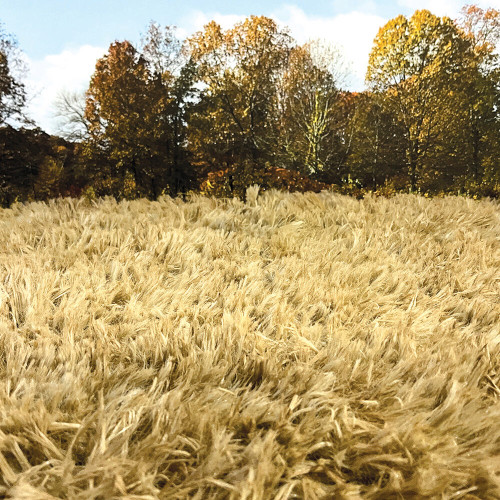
225 109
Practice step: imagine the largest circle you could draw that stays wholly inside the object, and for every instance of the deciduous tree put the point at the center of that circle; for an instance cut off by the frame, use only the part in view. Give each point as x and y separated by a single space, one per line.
118 104
377 152
173 71
12 91
417 63
238 72
480 96
135 113
308 98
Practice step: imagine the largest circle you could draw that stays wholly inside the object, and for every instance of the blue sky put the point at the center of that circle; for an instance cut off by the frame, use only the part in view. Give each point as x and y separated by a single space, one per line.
62 39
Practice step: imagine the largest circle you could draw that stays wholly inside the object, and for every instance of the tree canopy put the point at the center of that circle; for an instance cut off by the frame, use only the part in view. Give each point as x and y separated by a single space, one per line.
228 108
12 91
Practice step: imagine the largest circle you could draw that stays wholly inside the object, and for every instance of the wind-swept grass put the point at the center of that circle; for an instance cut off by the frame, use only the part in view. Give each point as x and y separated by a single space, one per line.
296 346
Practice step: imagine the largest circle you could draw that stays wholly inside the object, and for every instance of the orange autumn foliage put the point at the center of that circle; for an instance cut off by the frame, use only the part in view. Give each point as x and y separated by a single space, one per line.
230 182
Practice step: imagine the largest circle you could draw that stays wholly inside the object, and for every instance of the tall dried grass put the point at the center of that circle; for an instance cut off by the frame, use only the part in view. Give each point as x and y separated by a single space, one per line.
296 346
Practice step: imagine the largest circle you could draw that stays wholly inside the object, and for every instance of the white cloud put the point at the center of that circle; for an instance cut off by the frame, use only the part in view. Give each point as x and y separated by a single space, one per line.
353 33
450 8
437 7
197 19
70 70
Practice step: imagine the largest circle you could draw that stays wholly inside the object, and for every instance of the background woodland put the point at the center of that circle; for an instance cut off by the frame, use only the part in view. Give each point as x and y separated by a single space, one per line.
223 110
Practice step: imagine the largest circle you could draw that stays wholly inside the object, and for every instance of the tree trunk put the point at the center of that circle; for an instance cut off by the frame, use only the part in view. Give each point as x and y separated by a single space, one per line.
412 158
476 162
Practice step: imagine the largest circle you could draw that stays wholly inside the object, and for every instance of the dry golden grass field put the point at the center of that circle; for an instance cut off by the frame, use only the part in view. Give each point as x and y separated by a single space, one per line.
293 346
